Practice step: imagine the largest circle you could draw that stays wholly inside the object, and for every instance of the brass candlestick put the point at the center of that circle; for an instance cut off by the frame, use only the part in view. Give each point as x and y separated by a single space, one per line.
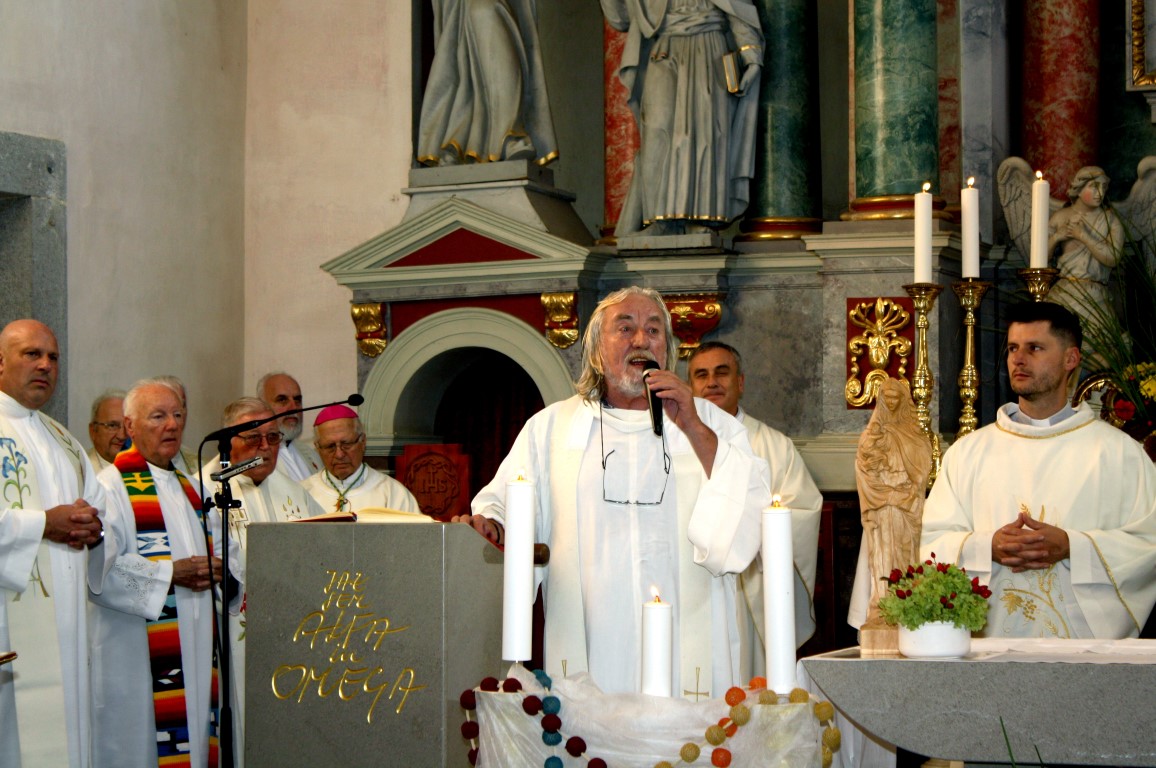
1039 280
922 381
970 292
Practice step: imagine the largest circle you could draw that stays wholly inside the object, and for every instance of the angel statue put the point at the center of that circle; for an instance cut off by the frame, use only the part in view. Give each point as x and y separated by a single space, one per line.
1088 232
485 100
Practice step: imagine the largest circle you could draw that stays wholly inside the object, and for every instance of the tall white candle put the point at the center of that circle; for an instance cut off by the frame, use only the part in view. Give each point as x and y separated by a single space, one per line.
923 235
1041 212
779 597
969 213
657 646
518 571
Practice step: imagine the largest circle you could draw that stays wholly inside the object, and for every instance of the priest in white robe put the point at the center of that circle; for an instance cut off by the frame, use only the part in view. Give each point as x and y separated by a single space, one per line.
347 483
266 496
625 511
1052 507
715 373
48 519
161 548
297 458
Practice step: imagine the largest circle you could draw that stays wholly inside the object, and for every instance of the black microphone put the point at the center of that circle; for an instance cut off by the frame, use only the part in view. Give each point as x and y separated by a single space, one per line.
655 400
224 434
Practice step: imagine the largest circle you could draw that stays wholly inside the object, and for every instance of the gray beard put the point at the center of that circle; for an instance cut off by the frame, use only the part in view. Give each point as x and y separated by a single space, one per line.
626 385
292 433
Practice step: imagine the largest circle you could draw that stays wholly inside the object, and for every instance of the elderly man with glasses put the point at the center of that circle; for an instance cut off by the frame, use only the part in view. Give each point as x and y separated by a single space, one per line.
626 510
266 496
106 430
347 484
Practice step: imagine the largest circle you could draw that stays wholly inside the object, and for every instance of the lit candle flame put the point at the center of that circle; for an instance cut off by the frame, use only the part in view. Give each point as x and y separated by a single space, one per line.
776 500
927 186
1039 174
970 181
654 591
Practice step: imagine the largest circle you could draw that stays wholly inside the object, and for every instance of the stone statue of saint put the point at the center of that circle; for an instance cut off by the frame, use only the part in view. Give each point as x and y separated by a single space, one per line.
692 70
1090 239
892 465
486 96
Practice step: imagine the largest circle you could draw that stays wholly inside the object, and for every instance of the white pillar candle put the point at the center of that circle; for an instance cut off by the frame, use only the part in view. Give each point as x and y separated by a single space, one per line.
657 646
1041 212
923 235
518 571
969 213
779 597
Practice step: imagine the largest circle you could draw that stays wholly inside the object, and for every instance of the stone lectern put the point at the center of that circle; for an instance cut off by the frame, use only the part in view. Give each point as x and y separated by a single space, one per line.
361 638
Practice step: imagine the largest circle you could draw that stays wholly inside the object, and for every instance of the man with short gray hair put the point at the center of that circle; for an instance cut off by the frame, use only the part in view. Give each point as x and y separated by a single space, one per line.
106 428
281 391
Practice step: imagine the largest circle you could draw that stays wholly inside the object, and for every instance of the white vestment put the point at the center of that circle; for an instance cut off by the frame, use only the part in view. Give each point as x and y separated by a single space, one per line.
362 489
792 482
276 500
98 462
135 590
298 460
1081 475
605 556
45 712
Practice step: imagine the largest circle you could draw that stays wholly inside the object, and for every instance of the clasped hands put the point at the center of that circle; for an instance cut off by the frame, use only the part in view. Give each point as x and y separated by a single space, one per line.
1028 544
77 524
193 572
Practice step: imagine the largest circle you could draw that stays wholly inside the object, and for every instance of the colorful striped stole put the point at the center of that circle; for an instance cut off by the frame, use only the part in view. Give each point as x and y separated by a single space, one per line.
164 636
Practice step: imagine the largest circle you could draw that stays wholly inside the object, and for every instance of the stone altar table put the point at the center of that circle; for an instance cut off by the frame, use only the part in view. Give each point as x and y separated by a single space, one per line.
1086 702
361 638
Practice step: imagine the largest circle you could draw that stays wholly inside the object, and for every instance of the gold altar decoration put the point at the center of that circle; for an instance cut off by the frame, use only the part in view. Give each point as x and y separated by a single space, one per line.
371 333
693 315
891 207
923 382
561 318
1039 280
1142 77
881 322
970 292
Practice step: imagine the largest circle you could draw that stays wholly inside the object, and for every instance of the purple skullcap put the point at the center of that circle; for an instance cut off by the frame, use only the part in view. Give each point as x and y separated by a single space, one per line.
332 412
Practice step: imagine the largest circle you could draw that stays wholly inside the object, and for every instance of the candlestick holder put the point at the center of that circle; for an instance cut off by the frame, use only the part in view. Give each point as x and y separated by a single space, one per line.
923 380
1039 280
970 292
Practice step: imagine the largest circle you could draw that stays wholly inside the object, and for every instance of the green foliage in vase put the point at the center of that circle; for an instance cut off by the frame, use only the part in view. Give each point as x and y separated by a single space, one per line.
933 591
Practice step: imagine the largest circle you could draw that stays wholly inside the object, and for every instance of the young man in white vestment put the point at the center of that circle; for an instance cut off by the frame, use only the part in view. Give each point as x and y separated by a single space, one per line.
347 483
625 510
1051 506
266 496
48 519
297 459
159 583
715 373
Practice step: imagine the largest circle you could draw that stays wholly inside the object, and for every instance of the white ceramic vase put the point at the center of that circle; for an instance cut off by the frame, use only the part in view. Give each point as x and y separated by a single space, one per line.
935 640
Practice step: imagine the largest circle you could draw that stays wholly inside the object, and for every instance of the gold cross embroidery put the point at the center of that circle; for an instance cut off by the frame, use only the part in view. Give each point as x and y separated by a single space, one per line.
35 581
697 681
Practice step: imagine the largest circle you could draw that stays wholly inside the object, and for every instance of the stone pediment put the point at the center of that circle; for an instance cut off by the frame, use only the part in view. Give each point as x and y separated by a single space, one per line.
457 241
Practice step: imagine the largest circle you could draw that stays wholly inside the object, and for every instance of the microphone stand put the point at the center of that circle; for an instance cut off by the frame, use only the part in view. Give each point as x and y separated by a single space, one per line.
223 500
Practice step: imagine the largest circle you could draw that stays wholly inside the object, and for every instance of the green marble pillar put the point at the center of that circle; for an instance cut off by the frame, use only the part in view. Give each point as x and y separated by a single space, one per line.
896 97
786 192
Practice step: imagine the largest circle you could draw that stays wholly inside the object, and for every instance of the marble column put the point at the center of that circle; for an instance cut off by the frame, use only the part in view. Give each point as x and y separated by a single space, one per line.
786 193
1061 72
896 102
620 131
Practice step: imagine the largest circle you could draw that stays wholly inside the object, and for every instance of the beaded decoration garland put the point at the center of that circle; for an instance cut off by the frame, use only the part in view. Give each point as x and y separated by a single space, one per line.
548 709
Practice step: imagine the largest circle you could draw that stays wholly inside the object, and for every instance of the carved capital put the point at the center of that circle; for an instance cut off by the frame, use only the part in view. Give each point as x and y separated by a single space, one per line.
693 315
561 318
371 334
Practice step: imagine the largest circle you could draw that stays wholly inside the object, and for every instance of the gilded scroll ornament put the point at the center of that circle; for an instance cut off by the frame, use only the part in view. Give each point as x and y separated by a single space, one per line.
693 315
881 322
561 318
371 334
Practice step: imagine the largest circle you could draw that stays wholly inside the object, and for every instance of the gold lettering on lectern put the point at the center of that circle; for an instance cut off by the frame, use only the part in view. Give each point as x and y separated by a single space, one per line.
347 631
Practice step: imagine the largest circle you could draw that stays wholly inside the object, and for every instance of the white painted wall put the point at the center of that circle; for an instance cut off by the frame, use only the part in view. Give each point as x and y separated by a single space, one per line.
328 146
148 98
